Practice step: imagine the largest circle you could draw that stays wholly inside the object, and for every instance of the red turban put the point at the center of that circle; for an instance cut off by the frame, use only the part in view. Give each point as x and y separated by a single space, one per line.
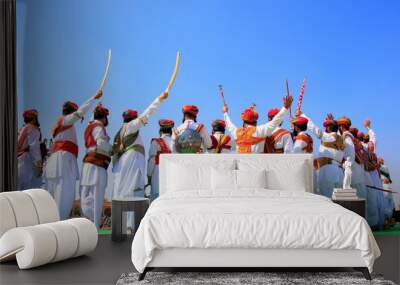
354 131
31 113
190 109
249 115
300 121
218 123
329 122
101 109
69 105
166 123
272 112
344 121
130 114
360 135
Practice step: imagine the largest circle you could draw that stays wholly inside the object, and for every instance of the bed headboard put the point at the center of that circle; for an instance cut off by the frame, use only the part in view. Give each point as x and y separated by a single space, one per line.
282 167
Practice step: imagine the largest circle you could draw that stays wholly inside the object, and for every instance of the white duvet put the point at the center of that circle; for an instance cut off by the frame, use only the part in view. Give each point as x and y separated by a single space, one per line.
250 219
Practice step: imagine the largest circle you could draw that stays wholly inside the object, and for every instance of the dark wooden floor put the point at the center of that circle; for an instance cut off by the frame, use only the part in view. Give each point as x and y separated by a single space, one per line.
103 266
106 264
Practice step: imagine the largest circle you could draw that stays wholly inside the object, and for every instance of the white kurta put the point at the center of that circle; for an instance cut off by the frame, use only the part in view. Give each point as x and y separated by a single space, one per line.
153 168
330 176
298 147
129 169
372 138
94 179
217 136
61 170
262 131
190 124
285 142
28 175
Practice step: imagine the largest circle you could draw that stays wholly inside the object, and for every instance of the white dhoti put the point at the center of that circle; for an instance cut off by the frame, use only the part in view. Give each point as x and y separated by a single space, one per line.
28 176
377 182
358 180
374 199
92 191
330 176
61 173
129 178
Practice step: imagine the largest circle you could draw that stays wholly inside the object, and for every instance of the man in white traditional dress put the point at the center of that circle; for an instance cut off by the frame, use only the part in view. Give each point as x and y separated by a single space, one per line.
389 203
370 135
221 142
250 138
28 151
280 141
303 142
375 198
189 123
61 169
160 145
95 164
330 157
129 164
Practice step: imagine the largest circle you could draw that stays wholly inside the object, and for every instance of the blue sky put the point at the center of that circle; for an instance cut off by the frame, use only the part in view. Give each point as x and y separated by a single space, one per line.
349 50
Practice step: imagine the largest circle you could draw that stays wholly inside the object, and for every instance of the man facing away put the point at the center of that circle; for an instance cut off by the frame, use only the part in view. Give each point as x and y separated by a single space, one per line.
375 198
221 143
129 155
161 145
250 138
330 157
389 203
95 164
189 123
28 152
61 169
280 141
303 142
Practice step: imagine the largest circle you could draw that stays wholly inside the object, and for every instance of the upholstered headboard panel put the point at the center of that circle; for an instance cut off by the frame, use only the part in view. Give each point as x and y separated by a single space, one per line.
283 169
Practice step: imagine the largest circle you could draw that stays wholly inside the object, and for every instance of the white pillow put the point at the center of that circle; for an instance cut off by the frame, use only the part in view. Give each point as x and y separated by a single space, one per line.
251 178
282 174
294 180
185 175
223 179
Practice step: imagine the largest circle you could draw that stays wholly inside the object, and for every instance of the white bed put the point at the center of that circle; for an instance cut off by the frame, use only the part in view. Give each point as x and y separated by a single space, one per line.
203 219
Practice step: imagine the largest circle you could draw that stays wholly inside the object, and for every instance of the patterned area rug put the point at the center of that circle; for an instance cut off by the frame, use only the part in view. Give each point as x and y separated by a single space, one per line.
242 278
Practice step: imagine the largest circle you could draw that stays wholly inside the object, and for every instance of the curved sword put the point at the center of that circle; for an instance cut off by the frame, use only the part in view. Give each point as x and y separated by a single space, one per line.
172 79
103 82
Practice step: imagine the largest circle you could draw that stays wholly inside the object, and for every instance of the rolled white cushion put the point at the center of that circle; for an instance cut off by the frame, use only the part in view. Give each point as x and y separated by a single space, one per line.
87 235
37 245
33 246
66 238
23 208
7 218
46 207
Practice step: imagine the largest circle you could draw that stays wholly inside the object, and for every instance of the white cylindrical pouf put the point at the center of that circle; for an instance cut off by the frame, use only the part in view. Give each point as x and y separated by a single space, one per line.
87 234
67 240
23 208
36 245
7 218
45 205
